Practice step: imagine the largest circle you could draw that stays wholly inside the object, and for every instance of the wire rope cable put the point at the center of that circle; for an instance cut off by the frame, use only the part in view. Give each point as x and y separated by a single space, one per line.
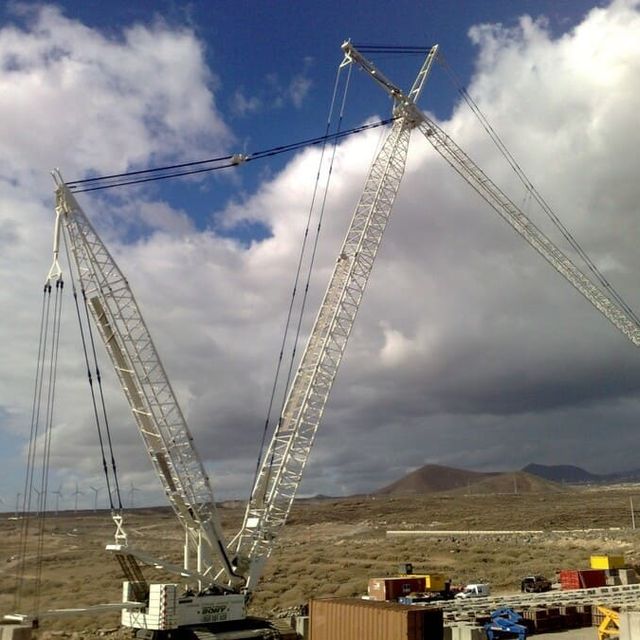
297 278
48 430
25 515
39 446
97 183
311 262
88 365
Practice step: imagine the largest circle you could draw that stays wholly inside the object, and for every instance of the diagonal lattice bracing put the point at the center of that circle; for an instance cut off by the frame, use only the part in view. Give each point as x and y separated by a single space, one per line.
146 387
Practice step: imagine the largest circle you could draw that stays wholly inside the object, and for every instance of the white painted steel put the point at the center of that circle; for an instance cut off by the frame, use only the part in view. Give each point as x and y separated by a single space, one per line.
282 466
505 207
524 226
146 386
612 596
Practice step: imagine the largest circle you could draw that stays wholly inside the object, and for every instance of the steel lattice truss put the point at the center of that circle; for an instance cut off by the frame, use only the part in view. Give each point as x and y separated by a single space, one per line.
145 383
503 205
523 225
284 462
288 452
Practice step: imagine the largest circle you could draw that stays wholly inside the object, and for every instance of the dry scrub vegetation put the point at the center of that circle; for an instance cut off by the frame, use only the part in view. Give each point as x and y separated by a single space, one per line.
333 546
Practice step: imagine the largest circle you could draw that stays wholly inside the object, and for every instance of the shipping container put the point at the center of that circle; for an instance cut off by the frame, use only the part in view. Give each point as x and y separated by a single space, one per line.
593 578
607 562
393 588
434 582
356 619
586 579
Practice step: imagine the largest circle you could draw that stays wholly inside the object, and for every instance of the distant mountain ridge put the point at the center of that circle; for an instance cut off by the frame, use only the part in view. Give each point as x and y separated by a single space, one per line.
434 478
577 475
534 478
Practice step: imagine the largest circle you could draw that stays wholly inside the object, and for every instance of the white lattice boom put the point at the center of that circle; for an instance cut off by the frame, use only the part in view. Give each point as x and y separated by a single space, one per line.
282 466
146 386
506 208
523 225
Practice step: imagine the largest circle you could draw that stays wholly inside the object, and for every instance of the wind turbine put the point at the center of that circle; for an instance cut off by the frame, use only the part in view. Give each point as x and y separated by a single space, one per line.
58 495
77 493
95 497
132 494
42 498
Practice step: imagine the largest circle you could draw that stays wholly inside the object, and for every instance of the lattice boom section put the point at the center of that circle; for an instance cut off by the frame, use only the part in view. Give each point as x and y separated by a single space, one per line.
142 376
286 458
523 225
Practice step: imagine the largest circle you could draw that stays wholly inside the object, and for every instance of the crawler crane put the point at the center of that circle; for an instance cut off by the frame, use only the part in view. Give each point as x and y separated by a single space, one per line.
221 575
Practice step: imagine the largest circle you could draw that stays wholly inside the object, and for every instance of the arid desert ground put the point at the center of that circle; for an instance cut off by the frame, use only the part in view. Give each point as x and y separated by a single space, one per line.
333 546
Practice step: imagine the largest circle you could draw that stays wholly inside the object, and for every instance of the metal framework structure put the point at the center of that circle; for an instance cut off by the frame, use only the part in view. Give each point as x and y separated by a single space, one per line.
505 207
147 388
207 557
524 226
282 466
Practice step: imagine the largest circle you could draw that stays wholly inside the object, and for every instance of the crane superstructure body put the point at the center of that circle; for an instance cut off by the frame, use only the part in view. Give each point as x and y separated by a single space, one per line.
225 573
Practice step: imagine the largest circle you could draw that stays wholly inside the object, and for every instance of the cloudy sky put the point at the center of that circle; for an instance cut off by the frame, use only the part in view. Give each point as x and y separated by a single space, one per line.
468 349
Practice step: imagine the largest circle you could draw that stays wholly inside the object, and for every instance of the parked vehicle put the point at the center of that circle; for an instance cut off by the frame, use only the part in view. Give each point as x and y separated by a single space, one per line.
476 590
535 584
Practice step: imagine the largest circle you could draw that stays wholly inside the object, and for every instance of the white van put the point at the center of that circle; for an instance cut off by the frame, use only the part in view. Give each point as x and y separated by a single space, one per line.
479 590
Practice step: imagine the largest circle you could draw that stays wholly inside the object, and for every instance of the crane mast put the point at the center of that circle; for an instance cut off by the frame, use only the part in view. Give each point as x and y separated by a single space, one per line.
144 381
282 466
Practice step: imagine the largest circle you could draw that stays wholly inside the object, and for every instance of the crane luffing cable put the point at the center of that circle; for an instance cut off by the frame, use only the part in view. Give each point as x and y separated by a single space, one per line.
102 425
39 447
314 249
301 256
222 162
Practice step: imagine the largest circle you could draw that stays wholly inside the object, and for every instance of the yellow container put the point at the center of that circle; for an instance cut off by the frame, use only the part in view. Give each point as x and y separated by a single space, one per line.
433 581
607 562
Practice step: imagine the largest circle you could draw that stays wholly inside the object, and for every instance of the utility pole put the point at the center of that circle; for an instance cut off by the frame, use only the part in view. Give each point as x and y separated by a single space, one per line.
18 504
633 515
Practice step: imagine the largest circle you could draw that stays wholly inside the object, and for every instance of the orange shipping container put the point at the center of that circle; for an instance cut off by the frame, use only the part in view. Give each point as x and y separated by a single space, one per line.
355 619
393 588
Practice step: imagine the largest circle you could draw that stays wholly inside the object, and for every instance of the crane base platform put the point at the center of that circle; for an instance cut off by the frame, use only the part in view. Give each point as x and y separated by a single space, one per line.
247 629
